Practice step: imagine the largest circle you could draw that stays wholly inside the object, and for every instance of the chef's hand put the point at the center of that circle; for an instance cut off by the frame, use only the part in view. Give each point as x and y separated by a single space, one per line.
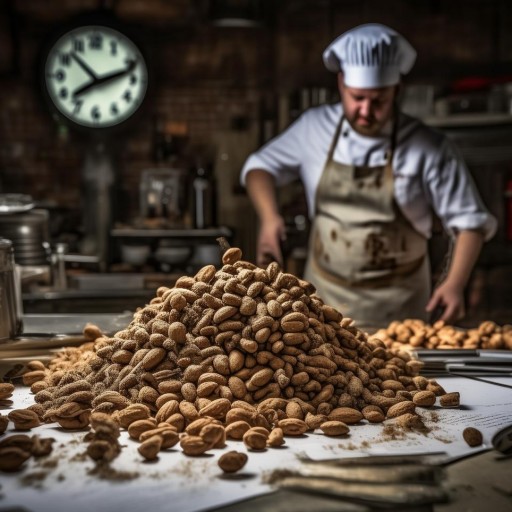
450 299
272 233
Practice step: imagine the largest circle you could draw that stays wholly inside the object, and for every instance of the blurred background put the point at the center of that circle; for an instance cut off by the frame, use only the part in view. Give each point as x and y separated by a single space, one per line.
100 218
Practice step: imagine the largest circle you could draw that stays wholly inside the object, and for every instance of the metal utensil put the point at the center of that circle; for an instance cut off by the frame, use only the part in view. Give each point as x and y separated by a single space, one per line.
502 440
396 494
380 474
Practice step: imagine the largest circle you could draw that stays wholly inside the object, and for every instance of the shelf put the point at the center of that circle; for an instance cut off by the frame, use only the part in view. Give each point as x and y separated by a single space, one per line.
171 233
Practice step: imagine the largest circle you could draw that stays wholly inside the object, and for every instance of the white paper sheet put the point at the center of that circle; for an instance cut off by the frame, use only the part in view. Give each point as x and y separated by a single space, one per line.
189 484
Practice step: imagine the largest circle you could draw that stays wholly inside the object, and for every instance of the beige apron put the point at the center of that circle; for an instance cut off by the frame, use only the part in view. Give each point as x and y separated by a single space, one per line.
365 257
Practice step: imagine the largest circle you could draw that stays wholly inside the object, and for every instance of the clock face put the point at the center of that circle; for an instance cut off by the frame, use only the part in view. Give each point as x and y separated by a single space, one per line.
95 76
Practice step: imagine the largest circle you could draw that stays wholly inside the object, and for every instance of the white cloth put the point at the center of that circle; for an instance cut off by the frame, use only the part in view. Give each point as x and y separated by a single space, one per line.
428 172
370 56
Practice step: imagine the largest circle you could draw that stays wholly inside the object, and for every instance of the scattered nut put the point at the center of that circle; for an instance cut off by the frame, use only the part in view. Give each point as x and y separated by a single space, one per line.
233 461
472 436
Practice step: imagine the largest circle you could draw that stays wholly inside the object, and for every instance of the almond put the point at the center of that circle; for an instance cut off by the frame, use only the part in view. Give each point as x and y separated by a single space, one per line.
450 399
193 445
424 398
472 436
293 426
334 428
400 408
150 447
255 440
347 415
237 429
24 419
276 437
373 414
232 461
11 458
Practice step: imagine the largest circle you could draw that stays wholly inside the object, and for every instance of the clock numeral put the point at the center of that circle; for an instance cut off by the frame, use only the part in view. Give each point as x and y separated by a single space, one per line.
127 96
113 47
60 75
78 105
114 110
78 45
95 113
65 59
63 93
96 42
133 79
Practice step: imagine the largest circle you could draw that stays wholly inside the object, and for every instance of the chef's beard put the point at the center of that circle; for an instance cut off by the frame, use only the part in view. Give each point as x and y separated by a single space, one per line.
372 127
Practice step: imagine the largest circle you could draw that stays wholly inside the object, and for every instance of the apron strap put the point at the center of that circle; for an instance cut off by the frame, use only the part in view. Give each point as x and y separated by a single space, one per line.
388 170
394 135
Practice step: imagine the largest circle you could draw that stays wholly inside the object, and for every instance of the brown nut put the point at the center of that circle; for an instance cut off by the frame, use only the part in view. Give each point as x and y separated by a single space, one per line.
12 458
232 255
232 461
92 332
450 399
424 398
255 440
150 447
472 436
24 419
334 428
400 408
347 415
6 390
193 445
237 429
373 414
293 426
4 421
276 437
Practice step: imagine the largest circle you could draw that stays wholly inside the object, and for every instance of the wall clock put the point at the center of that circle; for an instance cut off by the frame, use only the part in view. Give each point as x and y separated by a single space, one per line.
95 76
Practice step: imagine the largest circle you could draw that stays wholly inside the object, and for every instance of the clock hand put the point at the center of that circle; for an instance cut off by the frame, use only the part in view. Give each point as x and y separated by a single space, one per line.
84 66
106 78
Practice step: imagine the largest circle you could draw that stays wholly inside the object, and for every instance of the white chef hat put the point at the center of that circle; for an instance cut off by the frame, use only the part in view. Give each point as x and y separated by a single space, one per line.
370 56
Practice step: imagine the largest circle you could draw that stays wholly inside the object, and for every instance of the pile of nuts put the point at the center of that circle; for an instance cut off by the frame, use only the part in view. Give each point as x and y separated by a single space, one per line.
244 353
415 334
18 448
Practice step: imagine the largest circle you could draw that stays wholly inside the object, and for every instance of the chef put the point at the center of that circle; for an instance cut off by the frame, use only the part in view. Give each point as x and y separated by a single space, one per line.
373 177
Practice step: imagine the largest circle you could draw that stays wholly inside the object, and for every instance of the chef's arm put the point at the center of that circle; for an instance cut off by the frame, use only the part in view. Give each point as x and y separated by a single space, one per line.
450 293
261 187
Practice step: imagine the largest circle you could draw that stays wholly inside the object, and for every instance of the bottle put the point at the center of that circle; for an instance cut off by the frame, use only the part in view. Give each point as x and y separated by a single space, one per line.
205 203
11 307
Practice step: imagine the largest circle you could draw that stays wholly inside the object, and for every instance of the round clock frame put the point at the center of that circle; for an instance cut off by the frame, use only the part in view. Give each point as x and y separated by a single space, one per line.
95 77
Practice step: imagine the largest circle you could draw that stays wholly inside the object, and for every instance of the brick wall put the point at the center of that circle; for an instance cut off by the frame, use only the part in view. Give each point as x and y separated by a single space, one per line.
214 80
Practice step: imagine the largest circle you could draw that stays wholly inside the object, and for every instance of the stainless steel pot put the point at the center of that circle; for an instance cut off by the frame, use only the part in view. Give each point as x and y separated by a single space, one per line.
29 234
11 311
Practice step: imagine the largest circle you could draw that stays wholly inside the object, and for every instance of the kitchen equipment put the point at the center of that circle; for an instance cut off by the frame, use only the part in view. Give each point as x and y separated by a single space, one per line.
205 201
15 203
172 255
29 234
206 254
11 323
135 254
502 441
379 481
164 194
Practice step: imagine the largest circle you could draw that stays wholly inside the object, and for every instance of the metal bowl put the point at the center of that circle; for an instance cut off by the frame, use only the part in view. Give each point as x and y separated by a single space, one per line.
173 255
14 203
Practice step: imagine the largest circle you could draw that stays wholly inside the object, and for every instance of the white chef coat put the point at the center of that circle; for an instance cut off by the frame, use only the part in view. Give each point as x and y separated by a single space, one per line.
428 172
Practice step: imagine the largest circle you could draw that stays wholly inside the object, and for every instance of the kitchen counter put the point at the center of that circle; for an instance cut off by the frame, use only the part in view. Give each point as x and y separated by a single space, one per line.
43 334
476 478
174 482
74 323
